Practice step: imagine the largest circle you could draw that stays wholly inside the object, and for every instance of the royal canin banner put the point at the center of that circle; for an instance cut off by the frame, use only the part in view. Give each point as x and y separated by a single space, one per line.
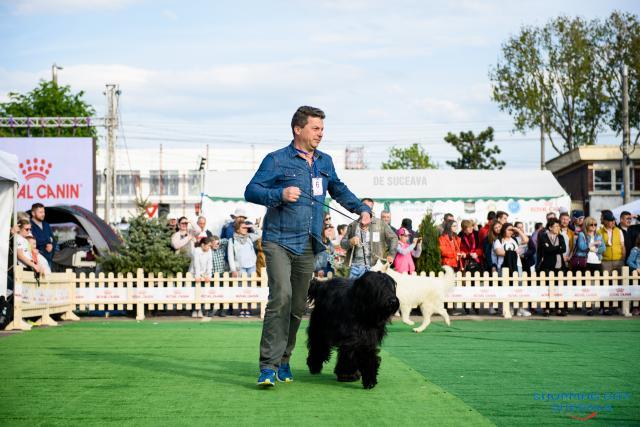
53 171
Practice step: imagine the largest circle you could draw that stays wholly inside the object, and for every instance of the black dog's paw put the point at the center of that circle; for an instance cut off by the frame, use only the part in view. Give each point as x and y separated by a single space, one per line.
369 383
348 378
314 367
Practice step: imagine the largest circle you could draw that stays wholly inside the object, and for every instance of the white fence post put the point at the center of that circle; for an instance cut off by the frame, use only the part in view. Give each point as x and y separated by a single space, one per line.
138 301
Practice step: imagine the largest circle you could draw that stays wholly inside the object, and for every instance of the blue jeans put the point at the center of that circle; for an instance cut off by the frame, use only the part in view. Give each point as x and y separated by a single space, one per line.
358 270
248 270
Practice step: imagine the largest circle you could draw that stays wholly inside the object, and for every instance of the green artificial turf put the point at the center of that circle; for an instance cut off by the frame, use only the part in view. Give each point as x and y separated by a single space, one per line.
502 368
190 373
121 372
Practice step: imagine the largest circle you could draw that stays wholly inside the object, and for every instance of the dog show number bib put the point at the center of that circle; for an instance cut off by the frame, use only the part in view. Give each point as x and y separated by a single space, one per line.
317 186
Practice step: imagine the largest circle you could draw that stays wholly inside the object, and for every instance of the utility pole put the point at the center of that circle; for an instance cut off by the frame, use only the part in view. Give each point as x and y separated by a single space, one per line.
54 73
626 188
542 142
111 123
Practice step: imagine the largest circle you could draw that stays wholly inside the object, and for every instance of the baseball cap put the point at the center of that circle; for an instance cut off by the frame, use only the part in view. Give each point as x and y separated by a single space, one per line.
608 216
577 214
239 212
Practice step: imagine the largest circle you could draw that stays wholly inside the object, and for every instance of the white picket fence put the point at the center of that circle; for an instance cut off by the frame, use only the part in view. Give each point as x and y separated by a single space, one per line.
64 293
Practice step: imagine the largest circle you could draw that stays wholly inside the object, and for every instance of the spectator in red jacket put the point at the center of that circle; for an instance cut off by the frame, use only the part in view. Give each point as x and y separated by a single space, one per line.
484 231
472 259
450 246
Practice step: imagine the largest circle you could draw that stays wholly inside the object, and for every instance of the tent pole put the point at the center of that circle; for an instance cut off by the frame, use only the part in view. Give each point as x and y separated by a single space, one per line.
13 238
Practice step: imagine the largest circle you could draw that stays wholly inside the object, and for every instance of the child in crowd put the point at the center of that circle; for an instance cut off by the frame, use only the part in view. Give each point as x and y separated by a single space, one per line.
403 263
201 265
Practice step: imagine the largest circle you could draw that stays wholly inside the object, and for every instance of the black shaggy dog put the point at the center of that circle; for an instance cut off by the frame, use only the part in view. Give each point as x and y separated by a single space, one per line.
352 316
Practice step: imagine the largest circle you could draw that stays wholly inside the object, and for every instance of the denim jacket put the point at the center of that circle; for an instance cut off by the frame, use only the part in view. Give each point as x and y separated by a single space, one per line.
634 258
290 224
582 245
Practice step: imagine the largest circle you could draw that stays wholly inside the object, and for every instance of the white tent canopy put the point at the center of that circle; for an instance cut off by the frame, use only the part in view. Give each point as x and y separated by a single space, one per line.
527 195
8 192
632 207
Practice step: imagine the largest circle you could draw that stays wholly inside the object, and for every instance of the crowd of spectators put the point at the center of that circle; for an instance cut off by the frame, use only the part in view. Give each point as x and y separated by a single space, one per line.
237 250
565 242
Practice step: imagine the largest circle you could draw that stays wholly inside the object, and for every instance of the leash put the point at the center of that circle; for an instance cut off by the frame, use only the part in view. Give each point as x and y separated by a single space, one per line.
302 193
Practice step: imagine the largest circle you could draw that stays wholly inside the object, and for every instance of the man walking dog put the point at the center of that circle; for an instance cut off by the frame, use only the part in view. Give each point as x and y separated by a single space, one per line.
292 183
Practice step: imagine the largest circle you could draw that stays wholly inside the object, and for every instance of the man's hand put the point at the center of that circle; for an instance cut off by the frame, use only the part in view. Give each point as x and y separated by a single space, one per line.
365 219
291 194
389 259
234 274
354 241
48 247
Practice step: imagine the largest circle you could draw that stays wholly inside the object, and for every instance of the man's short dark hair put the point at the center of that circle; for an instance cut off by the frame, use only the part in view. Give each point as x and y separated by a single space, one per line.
302 114
36 206
448 216
623 213
500 214
564 214
341 227
367 199
491 216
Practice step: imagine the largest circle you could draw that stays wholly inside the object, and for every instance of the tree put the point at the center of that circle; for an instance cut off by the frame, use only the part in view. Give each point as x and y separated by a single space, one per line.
413 157
147 246
552 72
475 154
47 100
619 44
430 257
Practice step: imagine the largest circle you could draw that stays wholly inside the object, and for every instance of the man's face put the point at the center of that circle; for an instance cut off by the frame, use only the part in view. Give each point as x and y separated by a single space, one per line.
449 218
503 219
38 214
625 220
564 221
309 137
201 223
386 217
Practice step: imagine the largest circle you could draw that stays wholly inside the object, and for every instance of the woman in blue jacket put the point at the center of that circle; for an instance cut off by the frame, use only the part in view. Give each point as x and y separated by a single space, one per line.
590 247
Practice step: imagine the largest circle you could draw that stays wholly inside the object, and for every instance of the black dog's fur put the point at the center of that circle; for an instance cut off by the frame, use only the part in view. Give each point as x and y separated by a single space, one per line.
352 316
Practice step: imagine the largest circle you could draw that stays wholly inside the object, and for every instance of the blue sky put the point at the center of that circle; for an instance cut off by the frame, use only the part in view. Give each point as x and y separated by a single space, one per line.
386 73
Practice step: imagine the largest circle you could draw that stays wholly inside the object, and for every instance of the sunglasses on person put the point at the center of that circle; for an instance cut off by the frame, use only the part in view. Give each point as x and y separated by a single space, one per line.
184 223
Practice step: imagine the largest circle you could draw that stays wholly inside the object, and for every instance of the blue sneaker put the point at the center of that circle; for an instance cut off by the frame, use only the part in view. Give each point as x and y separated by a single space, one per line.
284 373
267 377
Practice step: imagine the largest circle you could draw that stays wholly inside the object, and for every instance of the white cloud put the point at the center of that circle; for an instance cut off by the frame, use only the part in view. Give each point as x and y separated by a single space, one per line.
32 7
170 15
442 110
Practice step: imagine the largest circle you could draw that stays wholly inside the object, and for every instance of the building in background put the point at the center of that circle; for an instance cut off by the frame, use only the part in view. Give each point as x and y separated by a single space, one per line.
171 176
592 176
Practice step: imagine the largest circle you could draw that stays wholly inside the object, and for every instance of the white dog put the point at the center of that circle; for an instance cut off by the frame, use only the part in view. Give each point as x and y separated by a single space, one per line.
428 293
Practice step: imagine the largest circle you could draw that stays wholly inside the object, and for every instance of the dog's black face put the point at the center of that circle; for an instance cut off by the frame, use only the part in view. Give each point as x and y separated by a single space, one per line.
374 298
